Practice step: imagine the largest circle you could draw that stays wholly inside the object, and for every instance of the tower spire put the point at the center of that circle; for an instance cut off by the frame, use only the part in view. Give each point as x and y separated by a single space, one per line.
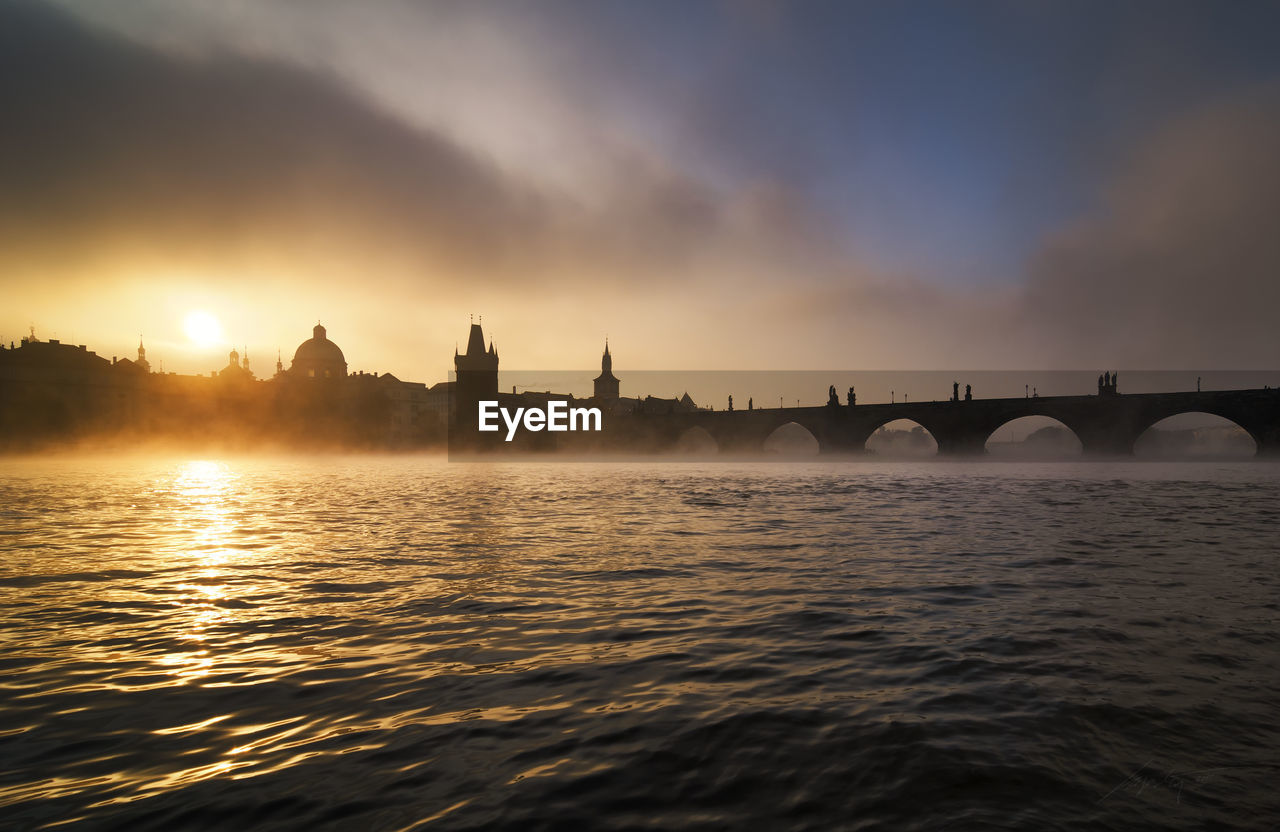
606 386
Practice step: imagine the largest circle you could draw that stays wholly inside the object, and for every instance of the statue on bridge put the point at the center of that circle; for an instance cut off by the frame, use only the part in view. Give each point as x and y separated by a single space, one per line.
730 402
832 399
955 391
1107 384
851 397
968 392
751 403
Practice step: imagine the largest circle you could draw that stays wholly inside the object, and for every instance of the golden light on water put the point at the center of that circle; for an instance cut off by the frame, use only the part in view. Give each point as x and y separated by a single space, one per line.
204 486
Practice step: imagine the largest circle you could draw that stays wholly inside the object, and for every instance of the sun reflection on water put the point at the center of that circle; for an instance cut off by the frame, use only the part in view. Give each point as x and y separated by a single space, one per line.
205 491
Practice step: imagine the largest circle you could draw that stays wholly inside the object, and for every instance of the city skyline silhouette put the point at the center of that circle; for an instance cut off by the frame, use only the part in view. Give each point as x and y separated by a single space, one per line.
60 392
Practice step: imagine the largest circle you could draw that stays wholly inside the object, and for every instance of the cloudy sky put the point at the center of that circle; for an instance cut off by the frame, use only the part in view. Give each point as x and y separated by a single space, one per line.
719 185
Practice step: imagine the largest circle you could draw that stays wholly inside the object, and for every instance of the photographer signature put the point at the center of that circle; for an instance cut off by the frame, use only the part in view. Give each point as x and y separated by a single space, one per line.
1174 781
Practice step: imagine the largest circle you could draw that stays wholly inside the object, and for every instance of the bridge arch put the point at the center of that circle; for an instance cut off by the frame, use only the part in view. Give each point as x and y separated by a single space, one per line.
902 438
1034 435
1195 433
791 439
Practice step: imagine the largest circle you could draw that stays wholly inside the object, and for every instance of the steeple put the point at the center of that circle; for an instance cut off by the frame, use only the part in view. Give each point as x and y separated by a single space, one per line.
279 364
606 385
142 356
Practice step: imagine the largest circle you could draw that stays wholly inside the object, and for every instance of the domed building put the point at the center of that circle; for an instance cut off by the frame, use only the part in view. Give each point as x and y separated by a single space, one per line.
318 357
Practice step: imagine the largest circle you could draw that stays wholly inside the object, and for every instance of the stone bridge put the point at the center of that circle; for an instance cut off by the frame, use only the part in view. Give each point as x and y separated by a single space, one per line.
1108 423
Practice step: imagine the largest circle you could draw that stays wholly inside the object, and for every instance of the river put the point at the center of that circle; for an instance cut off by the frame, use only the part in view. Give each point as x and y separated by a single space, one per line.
355 642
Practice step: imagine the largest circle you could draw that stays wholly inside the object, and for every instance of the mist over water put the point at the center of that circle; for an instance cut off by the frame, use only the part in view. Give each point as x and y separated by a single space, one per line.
394 643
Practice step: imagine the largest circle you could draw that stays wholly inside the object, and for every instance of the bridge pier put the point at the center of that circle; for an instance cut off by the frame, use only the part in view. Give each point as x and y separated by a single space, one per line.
1265 436
967 446
1107 447
837 442
1269 447
1105 440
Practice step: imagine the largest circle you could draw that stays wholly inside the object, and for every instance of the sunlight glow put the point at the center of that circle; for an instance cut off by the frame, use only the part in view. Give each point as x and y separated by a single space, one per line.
202 328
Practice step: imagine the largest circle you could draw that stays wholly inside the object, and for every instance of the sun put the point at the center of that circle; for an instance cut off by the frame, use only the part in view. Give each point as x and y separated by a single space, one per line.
202 328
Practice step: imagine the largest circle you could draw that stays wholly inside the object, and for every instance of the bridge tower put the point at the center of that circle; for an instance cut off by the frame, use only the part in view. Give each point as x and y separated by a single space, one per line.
477 380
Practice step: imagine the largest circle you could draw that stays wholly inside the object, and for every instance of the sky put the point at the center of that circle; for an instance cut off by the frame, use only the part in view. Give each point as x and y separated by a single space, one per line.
713 185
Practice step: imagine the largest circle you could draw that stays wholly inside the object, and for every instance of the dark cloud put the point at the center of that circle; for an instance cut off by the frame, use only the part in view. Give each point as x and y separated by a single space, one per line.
219 159
109 145
1180 266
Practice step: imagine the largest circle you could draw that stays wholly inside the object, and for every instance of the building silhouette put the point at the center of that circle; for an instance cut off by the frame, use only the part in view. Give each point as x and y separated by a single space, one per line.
236 370
318 357
54 392
476 378
606 384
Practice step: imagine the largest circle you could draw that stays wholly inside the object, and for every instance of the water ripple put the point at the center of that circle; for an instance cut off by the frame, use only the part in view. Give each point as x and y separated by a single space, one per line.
399 643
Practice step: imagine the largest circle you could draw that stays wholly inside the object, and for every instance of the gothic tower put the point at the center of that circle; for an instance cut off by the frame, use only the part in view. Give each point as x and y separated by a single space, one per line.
477 379
606 385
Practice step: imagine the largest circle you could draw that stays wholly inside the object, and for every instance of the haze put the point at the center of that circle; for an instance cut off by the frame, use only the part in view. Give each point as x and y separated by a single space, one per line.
714 185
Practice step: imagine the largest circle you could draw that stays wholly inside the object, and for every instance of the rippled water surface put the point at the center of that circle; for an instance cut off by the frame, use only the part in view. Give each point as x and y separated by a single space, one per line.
390 644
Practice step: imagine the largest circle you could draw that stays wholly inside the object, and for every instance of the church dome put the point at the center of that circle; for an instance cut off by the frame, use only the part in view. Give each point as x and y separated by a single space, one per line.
318 357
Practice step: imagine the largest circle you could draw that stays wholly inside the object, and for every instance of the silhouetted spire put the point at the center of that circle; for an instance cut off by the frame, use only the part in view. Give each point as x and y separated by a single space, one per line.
606 385
475 341
477 373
